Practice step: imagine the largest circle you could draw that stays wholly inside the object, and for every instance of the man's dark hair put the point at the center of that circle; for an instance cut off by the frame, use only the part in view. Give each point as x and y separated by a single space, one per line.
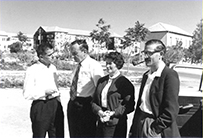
82 43
41 49
160 45
117 59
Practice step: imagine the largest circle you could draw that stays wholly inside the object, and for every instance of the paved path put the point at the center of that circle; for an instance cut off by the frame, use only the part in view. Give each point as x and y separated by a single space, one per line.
14 116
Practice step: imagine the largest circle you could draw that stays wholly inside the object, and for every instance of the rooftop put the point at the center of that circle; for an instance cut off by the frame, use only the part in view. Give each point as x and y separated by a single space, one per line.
162 27
72 31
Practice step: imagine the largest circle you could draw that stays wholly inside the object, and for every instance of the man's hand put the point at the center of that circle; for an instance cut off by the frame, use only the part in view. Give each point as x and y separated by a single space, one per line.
50 91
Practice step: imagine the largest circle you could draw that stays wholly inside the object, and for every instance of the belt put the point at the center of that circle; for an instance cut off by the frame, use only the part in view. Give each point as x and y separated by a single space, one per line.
40 100
104 108
82 100
145 115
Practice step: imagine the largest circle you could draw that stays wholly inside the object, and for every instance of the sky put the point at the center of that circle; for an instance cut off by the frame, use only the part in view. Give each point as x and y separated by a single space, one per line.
28 15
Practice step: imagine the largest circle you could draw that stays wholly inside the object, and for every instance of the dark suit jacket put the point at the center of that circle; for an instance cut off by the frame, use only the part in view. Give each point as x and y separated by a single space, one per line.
120 98
164 102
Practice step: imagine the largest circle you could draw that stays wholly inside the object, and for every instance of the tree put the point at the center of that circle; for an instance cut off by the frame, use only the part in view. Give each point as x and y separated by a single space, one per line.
138 33
174 54
21 37
196 48
101 35
18 46
15 47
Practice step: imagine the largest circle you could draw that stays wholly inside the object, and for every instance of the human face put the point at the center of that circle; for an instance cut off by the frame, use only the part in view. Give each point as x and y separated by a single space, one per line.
152 56
77 54
47 58
111 67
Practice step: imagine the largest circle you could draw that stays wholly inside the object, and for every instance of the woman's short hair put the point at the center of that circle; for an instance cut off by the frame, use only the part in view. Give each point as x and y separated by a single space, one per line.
42 48
117 59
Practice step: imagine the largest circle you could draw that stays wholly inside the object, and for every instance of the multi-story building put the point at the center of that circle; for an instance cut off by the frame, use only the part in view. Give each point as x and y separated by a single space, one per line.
170 35
60 36
7 39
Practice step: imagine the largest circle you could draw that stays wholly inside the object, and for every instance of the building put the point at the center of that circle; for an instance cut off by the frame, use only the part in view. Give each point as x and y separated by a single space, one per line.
7 39
170 35
60 36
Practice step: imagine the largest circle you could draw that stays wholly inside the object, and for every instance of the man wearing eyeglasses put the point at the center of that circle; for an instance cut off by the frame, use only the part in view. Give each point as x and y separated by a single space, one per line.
157 107
40 85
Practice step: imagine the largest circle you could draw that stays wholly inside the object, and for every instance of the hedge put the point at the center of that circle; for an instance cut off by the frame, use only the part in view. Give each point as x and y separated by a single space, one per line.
16 81
13 80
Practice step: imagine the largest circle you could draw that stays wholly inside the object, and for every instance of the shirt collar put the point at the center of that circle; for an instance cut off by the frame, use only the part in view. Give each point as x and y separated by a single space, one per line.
159 70
86 60
41 63
115 75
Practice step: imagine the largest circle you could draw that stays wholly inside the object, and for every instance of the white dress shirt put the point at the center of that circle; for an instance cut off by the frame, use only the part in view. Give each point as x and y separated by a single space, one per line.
145 104
90 72
38 79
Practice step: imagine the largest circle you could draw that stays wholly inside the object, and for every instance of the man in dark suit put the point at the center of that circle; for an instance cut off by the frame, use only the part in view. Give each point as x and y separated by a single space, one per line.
157 107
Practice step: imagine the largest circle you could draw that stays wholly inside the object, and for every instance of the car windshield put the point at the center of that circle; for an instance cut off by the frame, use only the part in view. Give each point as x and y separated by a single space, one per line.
190 76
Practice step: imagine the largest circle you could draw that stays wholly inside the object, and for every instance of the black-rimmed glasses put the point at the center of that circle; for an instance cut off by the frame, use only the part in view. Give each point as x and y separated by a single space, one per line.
149 53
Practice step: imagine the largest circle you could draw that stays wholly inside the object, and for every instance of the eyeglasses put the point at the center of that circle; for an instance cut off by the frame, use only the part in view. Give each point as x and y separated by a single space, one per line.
149 53
50 54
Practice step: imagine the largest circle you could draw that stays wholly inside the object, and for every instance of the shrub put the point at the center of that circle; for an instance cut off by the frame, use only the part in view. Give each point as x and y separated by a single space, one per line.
26 57
15 47
11 82
16 81
63 65
64 80
10 66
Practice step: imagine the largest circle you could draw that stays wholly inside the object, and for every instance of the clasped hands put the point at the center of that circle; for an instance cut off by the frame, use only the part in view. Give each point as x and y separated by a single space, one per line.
49 93
105 115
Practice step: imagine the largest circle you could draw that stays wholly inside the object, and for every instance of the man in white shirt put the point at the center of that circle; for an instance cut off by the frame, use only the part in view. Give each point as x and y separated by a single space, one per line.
40 85
81 119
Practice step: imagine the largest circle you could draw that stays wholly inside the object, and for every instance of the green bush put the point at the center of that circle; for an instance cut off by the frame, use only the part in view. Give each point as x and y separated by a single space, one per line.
64 80
11 82
16 81
10 66
15 47
27 58
63 65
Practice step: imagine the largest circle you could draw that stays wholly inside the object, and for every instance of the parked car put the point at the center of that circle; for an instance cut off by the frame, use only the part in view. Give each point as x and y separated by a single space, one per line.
190 100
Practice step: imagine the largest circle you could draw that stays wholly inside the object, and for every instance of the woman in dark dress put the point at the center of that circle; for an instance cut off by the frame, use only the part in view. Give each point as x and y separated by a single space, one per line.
113 99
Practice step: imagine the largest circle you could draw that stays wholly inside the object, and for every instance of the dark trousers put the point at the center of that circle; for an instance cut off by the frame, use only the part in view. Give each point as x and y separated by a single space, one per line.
141 126
81 119
116 131
47 116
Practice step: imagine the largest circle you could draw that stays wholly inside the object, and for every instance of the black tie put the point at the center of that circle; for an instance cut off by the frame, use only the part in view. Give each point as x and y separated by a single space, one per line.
73 88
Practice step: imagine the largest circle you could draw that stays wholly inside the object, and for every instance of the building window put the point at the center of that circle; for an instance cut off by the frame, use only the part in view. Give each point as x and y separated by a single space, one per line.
171 41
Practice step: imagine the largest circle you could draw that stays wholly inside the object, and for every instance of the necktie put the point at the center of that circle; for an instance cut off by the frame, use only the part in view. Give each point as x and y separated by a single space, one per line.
73 88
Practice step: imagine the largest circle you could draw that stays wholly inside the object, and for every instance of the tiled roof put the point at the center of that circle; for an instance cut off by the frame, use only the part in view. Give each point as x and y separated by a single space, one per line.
162 27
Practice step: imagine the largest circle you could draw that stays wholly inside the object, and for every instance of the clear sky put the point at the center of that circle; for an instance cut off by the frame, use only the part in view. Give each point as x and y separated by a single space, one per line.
27 15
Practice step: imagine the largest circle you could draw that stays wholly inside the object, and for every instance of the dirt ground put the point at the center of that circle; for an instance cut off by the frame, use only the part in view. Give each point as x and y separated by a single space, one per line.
14 116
